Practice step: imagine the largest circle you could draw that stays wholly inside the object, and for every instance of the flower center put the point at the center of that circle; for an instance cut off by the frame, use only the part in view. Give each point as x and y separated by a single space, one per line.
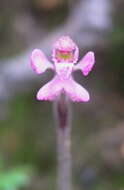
66 56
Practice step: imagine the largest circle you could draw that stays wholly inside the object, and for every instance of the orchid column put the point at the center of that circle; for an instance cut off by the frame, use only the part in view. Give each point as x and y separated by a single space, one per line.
61 88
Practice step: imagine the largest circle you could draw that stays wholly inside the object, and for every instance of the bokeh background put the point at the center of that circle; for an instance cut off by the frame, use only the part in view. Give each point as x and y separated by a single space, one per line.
27 130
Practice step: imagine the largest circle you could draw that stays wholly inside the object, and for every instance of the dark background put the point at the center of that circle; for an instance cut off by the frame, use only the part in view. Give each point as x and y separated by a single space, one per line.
27 131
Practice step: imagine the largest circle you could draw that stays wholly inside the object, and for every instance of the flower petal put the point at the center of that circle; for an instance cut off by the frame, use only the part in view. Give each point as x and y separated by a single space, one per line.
51 90
75 91
39 62
86 63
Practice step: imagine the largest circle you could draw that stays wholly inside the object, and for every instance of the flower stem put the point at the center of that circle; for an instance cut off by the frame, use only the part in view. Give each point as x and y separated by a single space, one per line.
63 144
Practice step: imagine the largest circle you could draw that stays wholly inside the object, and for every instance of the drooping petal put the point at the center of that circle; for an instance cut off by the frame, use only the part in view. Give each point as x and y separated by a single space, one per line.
75 91
39 62
86 63
51 90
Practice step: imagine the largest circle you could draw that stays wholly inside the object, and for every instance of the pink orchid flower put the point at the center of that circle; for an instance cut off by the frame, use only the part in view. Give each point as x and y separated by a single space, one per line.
65 55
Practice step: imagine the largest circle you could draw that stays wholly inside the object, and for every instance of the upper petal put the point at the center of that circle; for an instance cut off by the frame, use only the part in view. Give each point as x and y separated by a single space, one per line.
39 62
75 91
86 63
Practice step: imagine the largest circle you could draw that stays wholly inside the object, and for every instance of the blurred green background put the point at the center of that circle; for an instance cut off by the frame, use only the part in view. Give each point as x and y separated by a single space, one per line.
27 130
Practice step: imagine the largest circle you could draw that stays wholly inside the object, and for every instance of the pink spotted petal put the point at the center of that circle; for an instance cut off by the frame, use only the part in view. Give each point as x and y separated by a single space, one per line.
39 62
86 63
75 91
51 90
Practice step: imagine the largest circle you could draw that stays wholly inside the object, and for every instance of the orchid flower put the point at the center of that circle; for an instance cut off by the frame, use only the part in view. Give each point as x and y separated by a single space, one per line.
64 56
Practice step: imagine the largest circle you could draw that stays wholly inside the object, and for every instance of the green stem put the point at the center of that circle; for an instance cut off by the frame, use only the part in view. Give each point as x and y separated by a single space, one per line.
63 144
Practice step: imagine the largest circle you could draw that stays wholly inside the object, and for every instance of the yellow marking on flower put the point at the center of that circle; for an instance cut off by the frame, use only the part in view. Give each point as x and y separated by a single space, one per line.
65 55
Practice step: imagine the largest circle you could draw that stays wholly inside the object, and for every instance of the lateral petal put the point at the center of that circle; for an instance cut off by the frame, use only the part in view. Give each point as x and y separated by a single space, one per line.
39 62
86 64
